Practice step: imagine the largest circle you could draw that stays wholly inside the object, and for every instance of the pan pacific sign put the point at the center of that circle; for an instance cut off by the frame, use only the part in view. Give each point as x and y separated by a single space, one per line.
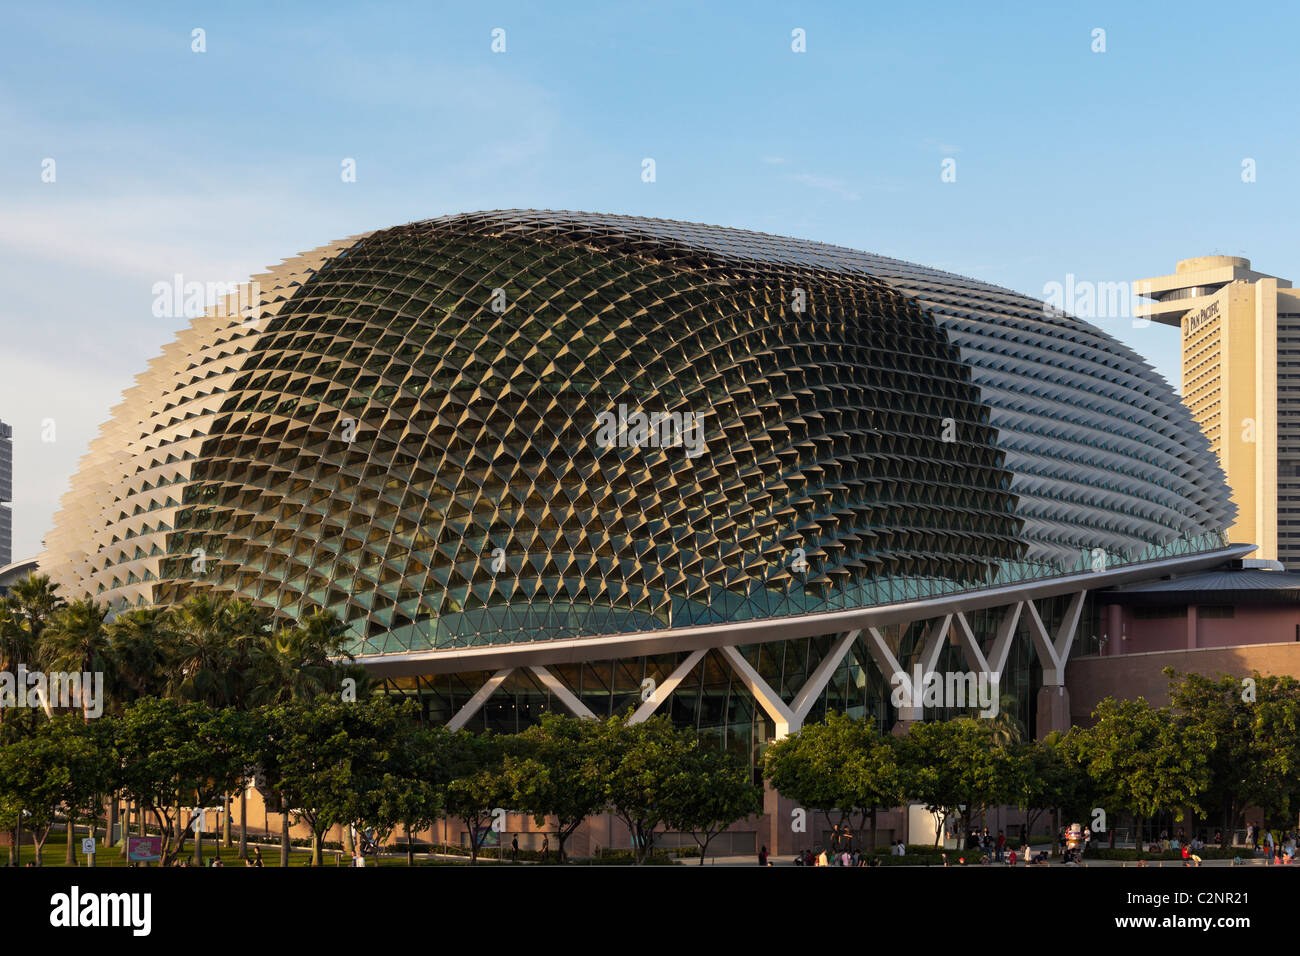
1196 319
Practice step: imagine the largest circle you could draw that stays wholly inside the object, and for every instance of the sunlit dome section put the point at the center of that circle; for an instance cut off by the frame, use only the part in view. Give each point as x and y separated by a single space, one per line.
521 426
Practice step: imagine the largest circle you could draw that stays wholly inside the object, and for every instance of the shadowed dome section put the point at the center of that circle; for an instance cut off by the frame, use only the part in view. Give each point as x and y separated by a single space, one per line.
476 502
409 434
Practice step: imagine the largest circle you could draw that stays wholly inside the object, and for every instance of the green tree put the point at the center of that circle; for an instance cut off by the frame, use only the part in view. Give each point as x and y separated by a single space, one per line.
1256 751
477 788
557 769
955 768
412 786
64 766
643 762
329 759
713 791
171 754
1143 760
1041 775
838 766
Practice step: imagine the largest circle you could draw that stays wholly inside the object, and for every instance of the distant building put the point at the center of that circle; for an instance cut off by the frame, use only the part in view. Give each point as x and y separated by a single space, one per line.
11 574
1241 380
6 494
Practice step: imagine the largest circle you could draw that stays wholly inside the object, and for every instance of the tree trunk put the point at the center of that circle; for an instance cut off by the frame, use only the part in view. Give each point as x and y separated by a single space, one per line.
243 824
70 857
225 826
871 847
284 839
198 838
410 849
178 833
315 848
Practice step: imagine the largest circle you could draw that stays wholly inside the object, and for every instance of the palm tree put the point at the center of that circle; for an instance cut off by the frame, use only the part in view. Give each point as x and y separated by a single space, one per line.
34 600
301 662
304 661
201 668
16 645
1006 727
75 641
143 647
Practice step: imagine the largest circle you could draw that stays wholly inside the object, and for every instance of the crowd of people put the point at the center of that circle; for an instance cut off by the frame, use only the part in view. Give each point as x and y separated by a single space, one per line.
1279 848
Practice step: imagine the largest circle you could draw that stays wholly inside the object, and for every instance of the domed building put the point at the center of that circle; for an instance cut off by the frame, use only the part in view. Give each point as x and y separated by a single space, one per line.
543 459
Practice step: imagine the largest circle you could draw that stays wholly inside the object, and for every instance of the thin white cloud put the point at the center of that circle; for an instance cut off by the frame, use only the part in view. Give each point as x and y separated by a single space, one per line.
827 183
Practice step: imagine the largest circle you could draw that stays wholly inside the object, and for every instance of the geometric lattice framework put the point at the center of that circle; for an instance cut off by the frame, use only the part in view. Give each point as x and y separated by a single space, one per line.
406 432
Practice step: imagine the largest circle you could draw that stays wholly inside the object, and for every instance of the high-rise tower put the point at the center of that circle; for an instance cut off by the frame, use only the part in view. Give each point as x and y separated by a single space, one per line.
1241 380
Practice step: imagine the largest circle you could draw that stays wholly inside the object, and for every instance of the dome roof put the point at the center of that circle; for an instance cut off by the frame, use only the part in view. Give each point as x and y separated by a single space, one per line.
520 425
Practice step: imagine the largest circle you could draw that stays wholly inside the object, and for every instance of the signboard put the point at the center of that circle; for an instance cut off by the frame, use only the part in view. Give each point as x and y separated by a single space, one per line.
1196 320
143 849
88 846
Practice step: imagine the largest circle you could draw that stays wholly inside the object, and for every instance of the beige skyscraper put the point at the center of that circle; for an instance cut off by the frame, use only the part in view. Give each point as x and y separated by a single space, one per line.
1241 379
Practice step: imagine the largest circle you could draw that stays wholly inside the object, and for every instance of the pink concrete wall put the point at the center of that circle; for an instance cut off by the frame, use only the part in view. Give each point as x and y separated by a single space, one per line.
1251 624
1128 676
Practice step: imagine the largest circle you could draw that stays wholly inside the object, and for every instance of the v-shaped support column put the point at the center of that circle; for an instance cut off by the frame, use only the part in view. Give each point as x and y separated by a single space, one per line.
663 691
1053 653
768 699
926 658
1053 701
996 662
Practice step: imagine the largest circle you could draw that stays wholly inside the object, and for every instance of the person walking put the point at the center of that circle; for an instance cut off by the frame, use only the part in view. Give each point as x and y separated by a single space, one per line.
514 849
546 847
762 855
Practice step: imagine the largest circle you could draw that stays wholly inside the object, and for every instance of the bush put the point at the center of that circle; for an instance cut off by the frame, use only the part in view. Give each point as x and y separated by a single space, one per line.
1130 855
625 858
913 849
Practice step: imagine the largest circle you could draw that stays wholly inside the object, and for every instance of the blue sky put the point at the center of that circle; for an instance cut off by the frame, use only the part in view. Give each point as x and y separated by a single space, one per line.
1108 166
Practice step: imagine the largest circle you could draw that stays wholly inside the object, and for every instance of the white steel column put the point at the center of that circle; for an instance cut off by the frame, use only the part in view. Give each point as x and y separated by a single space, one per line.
996 662
663 691
768 699
817 681
1053 654
462 716
567 697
